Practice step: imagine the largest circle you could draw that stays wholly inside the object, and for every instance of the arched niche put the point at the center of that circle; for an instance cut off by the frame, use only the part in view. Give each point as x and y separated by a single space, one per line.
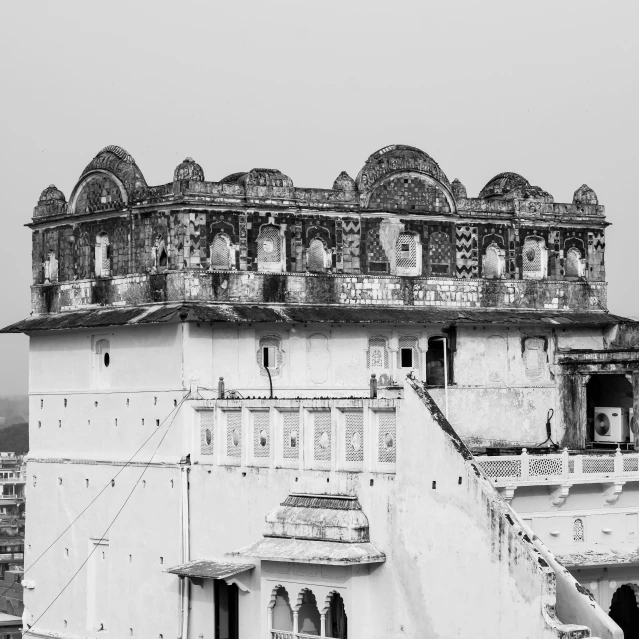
98 191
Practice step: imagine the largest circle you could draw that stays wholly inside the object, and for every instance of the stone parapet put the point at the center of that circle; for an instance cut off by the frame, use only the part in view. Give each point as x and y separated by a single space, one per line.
266 288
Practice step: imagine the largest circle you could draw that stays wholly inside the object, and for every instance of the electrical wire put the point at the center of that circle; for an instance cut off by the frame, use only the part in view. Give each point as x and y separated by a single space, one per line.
126 501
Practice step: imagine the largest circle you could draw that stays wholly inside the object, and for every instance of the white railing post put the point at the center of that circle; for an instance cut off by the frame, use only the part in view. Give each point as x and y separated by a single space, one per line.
524 464
323 624
565 463
295 621
618 462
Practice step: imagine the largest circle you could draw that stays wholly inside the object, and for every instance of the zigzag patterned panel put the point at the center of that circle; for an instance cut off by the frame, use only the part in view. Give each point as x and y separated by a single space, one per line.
466 243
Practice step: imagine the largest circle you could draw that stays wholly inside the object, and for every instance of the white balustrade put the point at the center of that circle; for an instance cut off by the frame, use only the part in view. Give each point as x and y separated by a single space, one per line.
511 470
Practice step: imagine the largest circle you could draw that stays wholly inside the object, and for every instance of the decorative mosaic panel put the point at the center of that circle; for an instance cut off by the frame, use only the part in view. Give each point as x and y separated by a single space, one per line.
377 353
406 251
354 440
374 249
386 438
291 435
261 434
233 419
467 259
99 194
408 193
322 436
578 533
207 432
439 253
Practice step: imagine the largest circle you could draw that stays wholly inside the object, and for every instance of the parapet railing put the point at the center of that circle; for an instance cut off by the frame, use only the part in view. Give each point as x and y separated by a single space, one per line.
509 470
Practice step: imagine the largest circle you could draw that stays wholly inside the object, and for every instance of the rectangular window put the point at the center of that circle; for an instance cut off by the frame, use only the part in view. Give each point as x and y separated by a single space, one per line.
378 267
407 357
226 610
268 357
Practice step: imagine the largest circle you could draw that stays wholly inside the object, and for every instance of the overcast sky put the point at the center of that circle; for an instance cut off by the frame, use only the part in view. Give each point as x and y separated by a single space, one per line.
545 89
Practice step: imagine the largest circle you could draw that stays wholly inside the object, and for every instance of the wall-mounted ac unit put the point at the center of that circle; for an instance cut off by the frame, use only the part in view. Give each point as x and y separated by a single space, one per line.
611 424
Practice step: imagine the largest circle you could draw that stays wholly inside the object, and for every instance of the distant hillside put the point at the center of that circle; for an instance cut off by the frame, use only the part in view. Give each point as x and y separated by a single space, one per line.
14 409
15 439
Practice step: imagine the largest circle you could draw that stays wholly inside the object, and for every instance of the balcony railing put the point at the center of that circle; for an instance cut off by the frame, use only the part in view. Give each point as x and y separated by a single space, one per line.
526 469
288 634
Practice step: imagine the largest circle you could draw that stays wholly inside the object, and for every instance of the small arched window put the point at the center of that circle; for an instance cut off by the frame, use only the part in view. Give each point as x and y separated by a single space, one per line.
408 254
578 533
377 354
221 252
270 249
407 353
308 613
269 355
574 263
534 258
494 263
282 613
102 256
51 268
317 256
102 363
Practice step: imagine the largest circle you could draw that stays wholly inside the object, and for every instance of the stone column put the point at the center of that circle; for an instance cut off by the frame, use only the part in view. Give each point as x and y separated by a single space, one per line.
573 406
322 624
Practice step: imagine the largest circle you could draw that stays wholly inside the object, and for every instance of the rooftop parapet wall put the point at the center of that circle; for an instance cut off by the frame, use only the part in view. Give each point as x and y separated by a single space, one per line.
234 286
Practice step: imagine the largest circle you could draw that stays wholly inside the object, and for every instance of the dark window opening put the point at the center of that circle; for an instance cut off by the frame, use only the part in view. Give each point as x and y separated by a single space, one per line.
268 357
624 611
163 258
611 426
107 359
435 365
378 267
226 610
407 357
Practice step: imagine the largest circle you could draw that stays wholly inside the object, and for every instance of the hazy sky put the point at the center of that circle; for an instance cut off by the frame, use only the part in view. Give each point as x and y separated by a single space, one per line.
545 89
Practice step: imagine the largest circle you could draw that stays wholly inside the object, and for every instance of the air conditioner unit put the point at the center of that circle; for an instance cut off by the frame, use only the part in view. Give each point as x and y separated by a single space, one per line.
611 424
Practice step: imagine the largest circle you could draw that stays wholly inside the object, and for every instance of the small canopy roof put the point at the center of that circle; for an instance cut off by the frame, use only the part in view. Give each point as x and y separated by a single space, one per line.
210 569
306 551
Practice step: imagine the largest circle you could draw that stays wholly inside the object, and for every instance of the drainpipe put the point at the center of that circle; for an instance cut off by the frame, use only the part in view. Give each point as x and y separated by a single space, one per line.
185 553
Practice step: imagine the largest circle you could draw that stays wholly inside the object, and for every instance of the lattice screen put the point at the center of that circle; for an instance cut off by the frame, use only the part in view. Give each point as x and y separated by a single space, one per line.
630 464
531 255
102 261
316 256
233 433
406 251
354 436
593 464
573 263
387 444
322 436
206 432
545 466
377 354
269 244
261 434
291 434
502 468
220 253
407 342
491 263
578 530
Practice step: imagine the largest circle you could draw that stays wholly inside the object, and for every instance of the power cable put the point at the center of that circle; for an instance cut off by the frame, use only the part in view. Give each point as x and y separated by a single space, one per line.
126 501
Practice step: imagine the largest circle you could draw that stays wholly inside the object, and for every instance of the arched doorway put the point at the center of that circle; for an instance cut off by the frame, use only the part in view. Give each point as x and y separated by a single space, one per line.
336 620
308 615
282 613
625 612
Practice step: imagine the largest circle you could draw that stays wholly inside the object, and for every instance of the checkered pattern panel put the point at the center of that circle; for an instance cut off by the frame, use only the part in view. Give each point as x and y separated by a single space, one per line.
354 436
406 251
291 435
269 244
374 249
261 434
99 194
531 255
206 432
410 193
386 438
439 253
322 436
233 421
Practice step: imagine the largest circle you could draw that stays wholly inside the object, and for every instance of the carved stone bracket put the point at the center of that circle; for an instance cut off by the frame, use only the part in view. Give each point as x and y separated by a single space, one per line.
508 492
612 491
559 494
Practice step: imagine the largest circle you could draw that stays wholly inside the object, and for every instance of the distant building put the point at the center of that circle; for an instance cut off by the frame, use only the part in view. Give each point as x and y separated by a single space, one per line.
333 390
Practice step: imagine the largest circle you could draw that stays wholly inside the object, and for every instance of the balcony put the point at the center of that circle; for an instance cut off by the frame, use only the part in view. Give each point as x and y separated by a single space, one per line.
562 470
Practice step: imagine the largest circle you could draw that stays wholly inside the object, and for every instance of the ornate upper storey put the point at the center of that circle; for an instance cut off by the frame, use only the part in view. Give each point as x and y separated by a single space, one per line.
401 217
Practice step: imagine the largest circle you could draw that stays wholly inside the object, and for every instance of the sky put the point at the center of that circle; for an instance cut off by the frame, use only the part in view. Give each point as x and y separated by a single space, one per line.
545 89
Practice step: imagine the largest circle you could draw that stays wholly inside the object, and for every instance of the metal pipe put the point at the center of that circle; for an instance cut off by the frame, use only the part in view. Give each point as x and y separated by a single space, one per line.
185 552
270 380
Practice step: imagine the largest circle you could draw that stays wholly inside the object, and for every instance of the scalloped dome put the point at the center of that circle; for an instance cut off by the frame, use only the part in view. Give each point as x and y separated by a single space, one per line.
459 190
344 182
512 185
189 169
398 157
52 194
585 195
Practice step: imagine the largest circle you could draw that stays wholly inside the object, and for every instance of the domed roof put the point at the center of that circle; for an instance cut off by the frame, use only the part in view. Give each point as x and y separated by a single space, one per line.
188 170
584 195
266 177
459 190
52 193
234 177
344 182
398 157
512 185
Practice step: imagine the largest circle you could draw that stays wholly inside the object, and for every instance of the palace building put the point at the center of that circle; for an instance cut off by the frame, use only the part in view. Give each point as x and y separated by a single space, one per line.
382 409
